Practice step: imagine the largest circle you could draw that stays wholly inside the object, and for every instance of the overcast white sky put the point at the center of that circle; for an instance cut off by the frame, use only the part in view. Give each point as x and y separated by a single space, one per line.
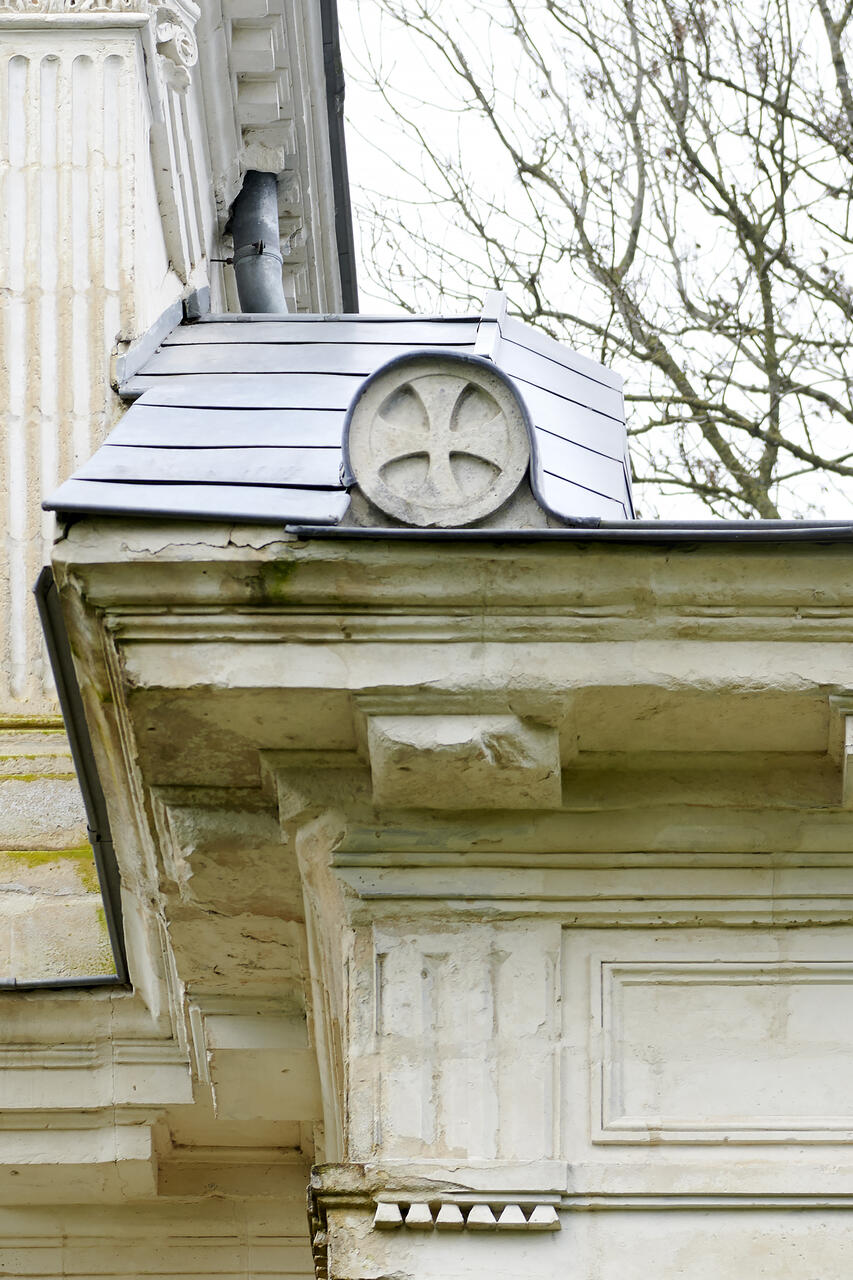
377 159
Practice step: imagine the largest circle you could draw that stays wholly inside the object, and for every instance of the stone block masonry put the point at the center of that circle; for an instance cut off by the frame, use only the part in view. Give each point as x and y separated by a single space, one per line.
52 922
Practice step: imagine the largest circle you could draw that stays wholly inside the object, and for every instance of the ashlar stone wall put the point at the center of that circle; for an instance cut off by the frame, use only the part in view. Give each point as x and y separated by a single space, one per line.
95 246
52 922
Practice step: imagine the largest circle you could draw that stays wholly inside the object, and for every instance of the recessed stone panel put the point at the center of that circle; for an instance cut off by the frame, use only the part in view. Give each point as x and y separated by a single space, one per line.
722 1050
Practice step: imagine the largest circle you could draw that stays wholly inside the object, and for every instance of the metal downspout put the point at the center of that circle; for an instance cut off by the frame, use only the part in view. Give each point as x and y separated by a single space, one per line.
257 248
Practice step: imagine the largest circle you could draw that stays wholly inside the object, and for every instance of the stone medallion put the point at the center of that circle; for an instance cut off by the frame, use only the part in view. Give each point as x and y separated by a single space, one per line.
437 440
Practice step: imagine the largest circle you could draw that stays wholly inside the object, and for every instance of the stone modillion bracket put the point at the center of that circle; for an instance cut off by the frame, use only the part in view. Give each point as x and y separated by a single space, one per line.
463 762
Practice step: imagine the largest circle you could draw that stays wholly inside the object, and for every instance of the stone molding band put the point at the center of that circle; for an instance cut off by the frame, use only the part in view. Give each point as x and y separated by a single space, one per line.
452 1216
37 7
174 20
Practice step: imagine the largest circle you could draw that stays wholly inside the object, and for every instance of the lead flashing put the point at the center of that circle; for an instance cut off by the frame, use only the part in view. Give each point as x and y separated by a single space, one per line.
634 531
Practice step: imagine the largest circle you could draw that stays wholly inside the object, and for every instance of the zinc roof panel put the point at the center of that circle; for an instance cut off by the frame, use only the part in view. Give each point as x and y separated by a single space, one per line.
271 358
254 503
243 412
261 466
156 426
248 390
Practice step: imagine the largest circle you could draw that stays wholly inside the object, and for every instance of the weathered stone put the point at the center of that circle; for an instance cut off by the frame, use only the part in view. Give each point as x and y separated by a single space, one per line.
511 1218
480 1218
419 1217
449 1218
463 762
438 441
387 1216
544 1218
55 939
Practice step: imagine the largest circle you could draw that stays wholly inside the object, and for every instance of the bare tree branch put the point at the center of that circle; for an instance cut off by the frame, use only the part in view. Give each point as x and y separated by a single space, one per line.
668 186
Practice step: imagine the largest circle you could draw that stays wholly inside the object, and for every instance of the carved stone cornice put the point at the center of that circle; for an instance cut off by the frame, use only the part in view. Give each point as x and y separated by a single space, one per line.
36 8
263 77
173 21
174 34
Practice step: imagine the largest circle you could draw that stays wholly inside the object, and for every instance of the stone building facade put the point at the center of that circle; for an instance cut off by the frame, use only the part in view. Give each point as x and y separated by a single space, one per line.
127 128
485 856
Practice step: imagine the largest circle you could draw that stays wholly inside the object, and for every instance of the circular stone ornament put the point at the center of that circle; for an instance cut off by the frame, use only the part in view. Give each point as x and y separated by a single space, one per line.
437 439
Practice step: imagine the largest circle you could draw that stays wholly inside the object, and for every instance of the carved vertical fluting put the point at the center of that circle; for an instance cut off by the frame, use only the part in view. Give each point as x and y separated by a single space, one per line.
66 255
454 1042
68 97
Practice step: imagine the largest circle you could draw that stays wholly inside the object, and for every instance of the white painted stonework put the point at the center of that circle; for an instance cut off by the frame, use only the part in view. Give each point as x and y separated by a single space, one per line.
595 1028
126 136
127 126
497 891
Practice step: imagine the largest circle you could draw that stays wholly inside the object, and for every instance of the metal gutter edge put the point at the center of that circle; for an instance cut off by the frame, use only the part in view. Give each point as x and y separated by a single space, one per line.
632 532
100 837
333 68
139 352
61 984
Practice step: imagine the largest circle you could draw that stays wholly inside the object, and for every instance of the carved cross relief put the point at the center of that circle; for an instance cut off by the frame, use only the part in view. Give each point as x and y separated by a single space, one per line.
438 441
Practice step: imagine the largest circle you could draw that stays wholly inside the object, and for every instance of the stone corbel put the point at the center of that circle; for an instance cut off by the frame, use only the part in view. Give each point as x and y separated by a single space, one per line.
423 760
171 50
175 41
262 1043
459 761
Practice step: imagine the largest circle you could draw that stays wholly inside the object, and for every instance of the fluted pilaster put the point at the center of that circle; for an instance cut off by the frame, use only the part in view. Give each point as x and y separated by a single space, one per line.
64 258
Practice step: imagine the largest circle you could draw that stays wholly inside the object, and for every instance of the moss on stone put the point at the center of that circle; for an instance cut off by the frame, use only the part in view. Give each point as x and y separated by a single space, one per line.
106 963
37 777
43 724
32 755
86 870
274 579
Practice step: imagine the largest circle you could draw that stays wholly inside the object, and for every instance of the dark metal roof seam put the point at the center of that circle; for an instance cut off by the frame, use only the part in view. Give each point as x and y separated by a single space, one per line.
560 364
555 475
70 515
549 391
578 444
633 532
323 317
142 483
